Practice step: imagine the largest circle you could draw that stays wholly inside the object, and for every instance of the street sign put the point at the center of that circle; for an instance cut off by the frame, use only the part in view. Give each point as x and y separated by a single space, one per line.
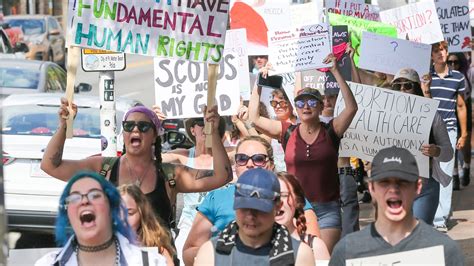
93 60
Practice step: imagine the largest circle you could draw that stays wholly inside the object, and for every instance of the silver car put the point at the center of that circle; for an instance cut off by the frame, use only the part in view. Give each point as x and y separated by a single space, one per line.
29 121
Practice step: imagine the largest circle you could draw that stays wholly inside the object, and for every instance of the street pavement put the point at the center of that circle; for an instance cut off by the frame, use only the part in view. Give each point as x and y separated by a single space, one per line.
461 224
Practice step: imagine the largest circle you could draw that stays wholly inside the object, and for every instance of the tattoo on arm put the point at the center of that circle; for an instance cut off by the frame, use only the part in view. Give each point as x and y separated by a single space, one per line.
57 158
203 173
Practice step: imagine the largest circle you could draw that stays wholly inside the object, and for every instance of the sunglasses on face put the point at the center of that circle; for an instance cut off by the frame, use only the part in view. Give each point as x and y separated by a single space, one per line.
312 103
453 62
408 86
282 104
143 126
257 159
92 196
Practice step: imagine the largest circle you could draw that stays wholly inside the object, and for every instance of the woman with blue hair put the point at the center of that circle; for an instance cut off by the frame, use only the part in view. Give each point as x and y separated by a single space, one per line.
92 227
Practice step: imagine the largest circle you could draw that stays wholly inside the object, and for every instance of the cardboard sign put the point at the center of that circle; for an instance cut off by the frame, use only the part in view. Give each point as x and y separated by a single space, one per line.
181 87
325 80
357 26
418 21
354 8
388 55
387 118
298 49
454 20
424 256
236 43
258 17
176 29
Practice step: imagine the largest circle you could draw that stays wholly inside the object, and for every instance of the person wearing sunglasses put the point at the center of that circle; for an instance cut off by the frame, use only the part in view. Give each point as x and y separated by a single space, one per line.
141 161
311 151
216 211
438 149
254 238
448 86
458 61
92 228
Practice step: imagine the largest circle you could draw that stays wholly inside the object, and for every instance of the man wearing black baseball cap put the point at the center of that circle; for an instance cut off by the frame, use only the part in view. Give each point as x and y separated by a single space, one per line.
394 185
254 238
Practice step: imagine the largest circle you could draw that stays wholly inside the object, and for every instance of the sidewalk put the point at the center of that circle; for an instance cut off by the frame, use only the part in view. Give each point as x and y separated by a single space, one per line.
461 224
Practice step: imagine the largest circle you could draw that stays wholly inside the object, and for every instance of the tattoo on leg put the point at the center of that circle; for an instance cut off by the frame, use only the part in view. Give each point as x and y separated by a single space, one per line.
56 158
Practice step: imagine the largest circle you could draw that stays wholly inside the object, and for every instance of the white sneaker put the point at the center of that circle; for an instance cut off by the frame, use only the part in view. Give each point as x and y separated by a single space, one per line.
441 228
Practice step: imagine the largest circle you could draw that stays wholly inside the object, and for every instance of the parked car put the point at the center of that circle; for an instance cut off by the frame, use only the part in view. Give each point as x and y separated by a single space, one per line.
29 121
28 76
43 35
8 50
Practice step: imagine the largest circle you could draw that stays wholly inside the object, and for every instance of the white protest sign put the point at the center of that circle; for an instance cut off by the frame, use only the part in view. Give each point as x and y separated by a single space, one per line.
388 55
257 17
306 14
176 29
453 16
299 48
433 256
181 87
236 43
419 21
288 86
354 8
387 118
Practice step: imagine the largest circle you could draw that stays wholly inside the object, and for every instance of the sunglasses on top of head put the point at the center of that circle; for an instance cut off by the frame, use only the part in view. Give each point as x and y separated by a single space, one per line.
312 103
198 122
143 126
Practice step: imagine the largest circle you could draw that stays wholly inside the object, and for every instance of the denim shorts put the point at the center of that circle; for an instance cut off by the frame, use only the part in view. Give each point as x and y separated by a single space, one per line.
329 214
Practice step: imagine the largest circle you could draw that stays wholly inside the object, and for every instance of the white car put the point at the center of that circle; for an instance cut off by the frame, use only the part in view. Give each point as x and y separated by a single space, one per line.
28 122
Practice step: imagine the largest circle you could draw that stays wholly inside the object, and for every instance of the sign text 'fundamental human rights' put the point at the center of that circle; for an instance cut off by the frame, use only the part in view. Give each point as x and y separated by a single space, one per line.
187 30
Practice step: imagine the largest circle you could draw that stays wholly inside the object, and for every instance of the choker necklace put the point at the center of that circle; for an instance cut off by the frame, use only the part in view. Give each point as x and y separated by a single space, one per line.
138 179
95 248
112 240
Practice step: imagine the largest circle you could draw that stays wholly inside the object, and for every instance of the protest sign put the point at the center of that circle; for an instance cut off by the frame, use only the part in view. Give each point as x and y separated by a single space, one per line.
325 80
454 20
176 29
306 14
388 55
418 21
181 87
258 19
357 26
236 43
299 48
424 256
387 118
288 86
354 8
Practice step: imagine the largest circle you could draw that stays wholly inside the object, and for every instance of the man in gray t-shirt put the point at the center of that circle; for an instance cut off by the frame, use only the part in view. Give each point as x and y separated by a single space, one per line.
393 186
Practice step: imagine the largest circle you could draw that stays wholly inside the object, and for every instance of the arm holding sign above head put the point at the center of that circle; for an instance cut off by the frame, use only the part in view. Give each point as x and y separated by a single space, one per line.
52 162
354 73
269 127
425 85
344 119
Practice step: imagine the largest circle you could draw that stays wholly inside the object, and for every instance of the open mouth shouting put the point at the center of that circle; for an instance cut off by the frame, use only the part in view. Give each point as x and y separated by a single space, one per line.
87 218
135 141
395 206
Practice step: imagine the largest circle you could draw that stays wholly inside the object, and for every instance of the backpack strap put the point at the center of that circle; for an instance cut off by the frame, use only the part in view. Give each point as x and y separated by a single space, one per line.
334 138
107 164
286 137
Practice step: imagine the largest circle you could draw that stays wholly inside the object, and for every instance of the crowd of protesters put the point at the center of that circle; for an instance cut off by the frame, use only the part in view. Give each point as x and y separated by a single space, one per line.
269 190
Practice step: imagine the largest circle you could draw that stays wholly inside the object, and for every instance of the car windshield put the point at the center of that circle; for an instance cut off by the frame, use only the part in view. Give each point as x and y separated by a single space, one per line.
19 78
29 26
42 120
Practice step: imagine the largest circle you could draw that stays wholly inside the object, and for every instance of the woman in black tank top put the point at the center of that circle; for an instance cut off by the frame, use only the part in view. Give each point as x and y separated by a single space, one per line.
142 164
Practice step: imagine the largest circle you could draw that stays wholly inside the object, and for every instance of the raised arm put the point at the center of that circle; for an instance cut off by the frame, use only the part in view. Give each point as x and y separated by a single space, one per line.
53 163
344 119
194 180
269 127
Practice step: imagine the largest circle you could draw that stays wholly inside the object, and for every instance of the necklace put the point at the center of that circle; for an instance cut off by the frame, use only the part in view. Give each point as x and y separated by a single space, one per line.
112 240
96 248
138 179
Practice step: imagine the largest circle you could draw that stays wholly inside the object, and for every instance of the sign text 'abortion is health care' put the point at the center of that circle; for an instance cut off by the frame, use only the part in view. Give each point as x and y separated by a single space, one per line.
187 30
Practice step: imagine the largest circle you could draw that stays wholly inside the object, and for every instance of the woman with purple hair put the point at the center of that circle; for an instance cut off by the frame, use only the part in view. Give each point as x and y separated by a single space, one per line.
141 161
